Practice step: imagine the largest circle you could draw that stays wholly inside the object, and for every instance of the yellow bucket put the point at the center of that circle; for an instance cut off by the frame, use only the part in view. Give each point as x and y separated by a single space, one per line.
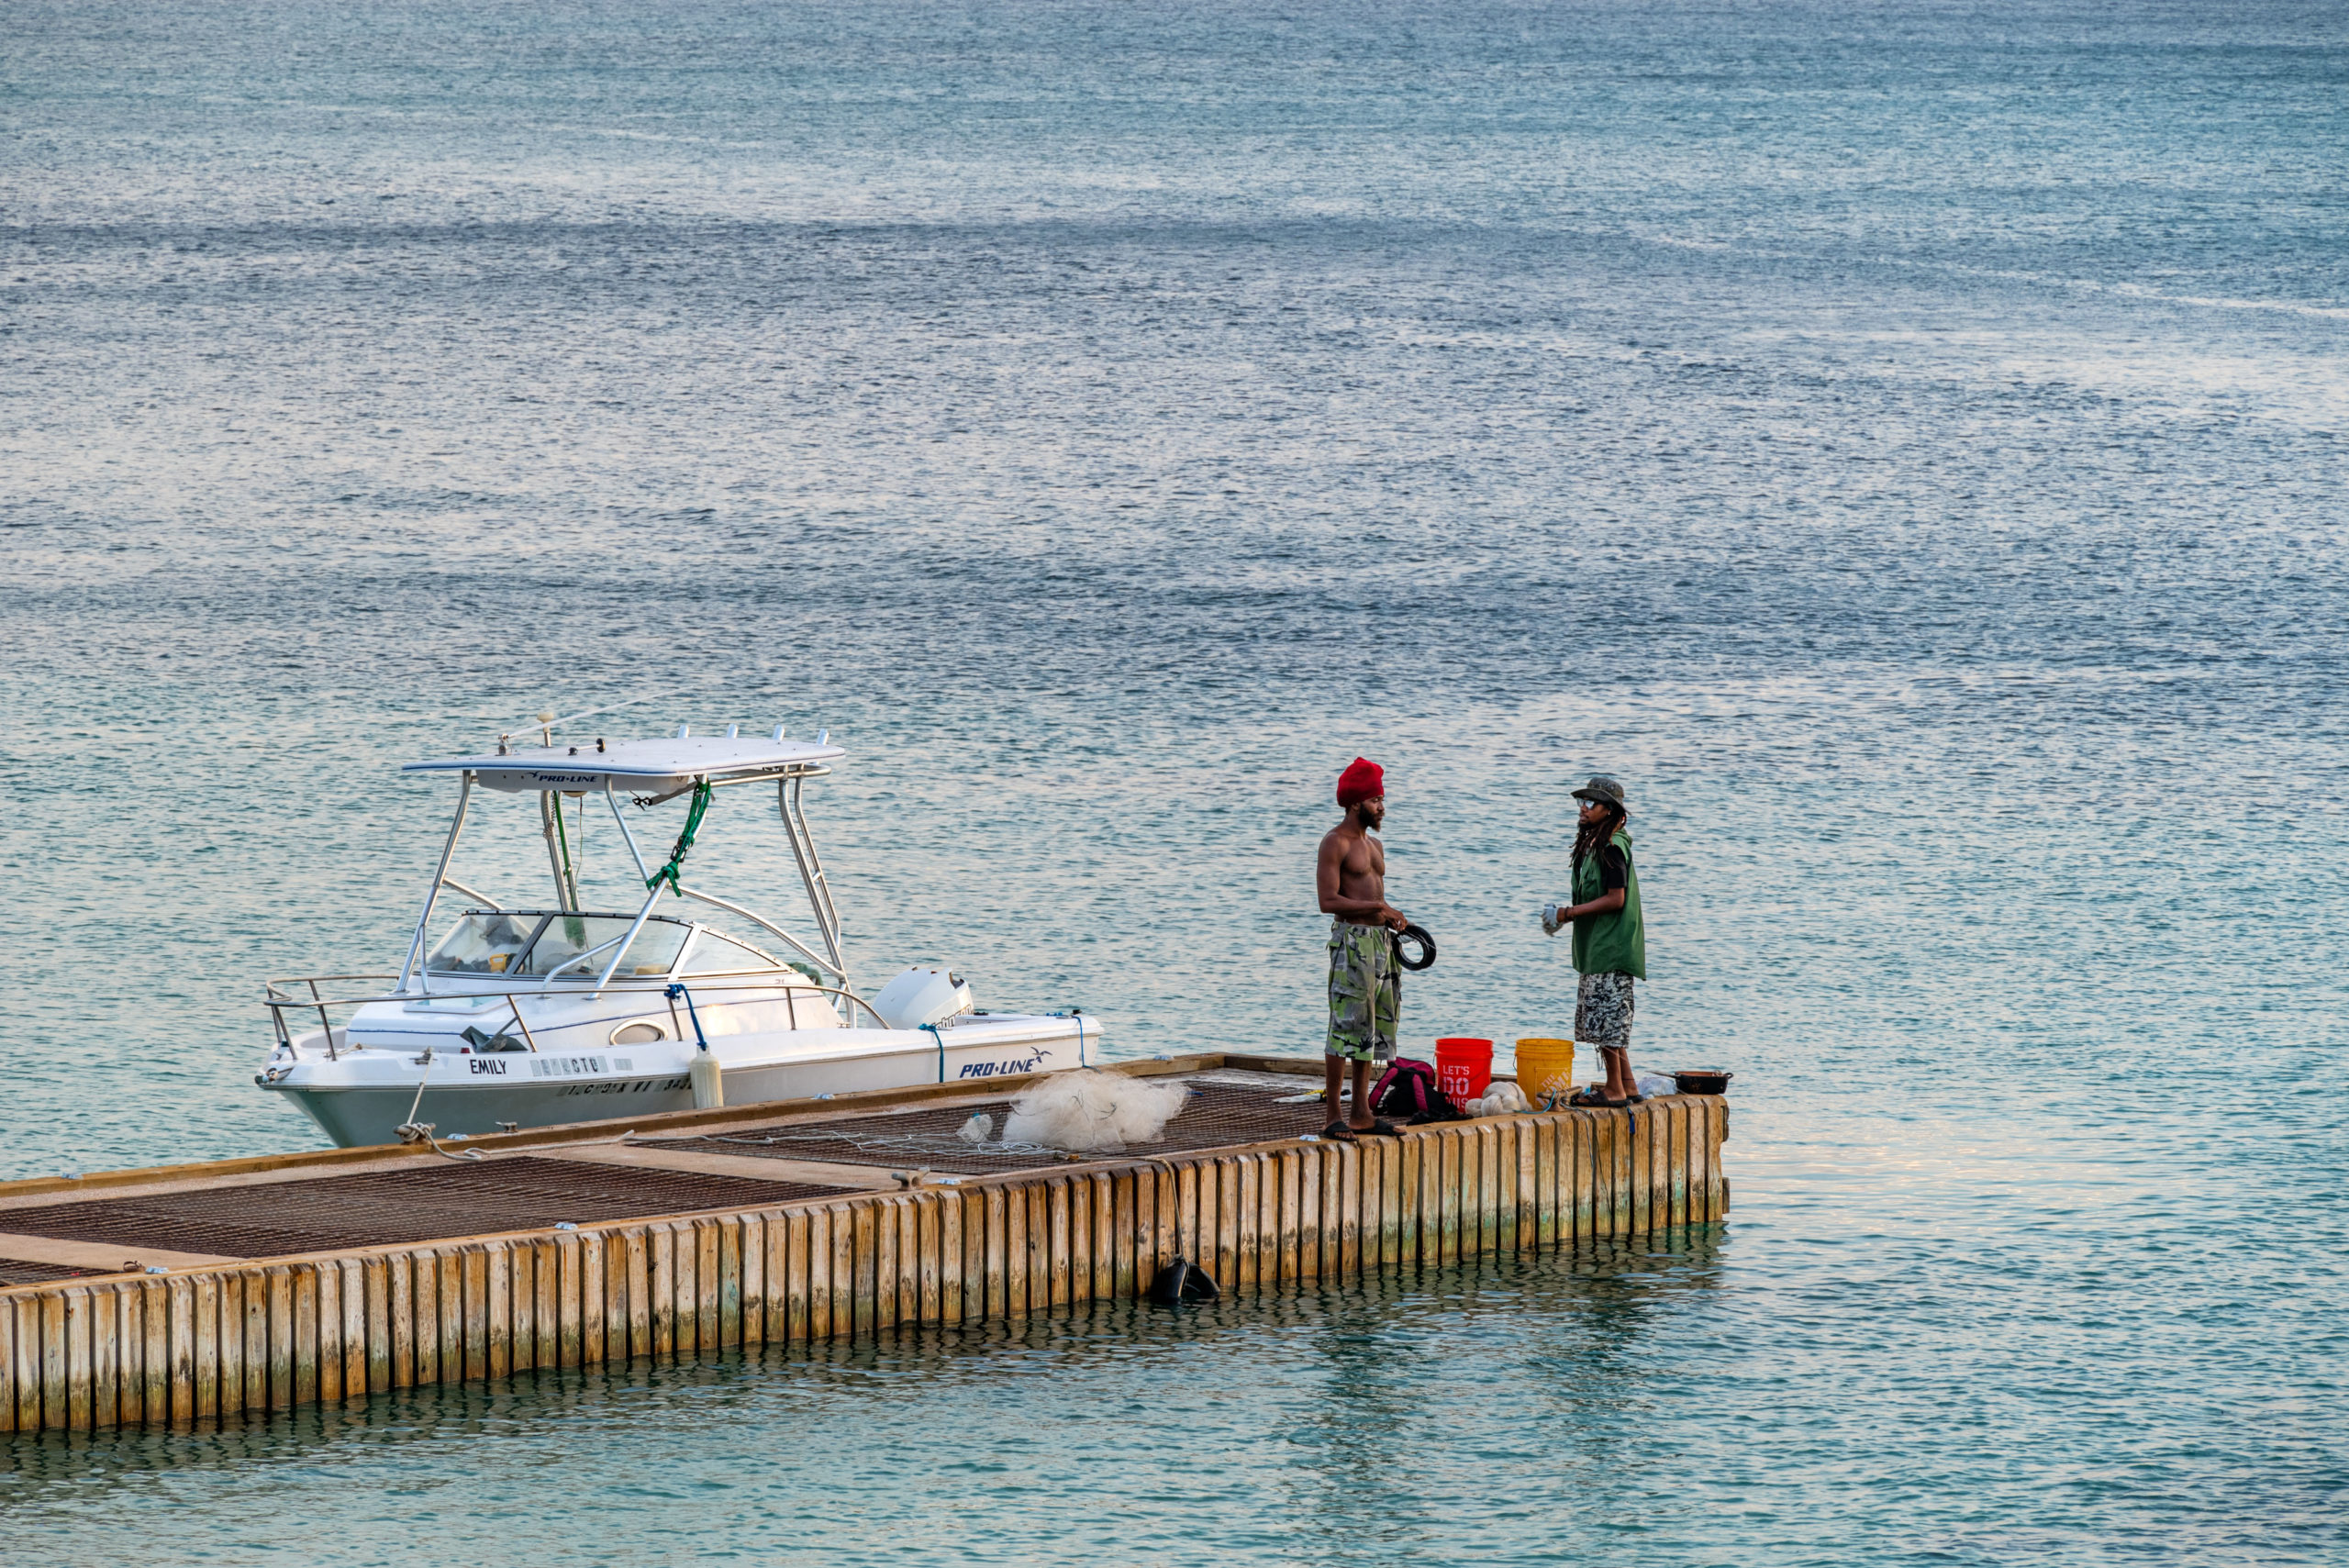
1545 1068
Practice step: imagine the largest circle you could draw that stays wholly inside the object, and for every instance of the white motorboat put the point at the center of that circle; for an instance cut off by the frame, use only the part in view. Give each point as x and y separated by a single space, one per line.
535 1014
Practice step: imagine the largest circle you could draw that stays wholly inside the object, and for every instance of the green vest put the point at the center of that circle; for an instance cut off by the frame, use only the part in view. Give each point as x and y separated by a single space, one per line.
1610 944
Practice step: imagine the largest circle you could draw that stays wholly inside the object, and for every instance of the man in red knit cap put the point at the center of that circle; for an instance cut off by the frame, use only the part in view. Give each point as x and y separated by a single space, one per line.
1366 986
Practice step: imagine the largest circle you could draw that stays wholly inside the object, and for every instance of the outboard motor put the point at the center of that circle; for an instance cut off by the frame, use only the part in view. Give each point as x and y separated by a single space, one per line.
920 998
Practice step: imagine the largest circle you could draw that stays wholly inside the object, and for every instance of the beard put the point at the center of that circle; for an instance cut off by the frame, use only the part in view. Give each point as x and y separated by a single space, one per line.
1372 814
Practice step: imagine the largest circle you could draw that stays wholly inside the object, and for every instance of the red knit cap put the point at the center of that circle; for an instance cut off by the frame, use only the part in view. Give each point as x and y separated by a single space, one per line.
1363 780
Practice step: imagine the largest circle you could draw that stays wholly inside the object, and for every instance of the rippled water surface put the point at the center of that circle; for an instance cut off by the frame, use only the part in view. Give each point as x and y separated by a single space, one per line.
1905 444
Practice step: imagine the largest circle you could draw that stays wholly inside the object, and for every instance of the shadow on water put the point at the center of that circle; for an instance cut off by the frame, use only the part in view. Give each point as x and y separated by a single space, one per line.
1380 1346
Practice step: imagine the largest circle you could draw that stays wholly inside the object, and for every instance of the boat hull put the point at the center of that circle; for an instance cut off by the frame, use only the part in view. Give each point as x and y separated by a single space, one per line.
357 1101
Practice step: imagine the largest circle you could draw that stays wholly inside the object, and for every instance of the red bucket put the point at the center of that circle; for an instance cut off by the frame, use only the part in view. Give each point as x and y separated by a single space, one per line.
1463 1068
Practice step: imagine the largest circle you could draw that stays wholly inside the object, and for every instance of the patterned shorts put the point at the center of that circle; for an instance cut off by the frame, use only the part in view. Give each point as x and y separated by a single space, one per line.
1603 1009
1366 991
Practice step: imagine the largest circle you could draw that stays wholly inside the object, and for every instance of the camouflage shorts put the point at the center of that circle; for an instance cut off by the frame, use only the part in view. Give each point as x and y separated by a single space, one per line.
1366 991
1603 1009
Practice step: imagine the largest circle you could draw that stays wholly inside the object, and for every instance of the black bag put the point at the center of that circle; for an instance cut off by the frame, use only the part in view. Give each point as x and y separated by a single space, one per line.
1408 1090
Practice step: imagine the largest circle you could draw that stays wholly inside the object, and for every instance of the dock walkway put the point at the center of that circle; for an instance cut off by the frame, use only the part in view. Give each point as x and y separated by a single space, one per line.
184 1293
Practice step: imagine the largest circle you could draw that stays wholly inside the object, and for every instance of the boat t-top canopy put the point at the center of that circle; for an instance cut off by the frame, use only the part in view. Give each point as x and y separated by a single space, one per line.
662 765
649 770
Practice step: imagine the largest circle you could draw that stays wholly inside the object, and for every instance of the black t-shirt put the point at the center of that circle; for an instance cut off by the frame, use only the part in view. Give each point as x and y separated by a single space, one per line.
1614 871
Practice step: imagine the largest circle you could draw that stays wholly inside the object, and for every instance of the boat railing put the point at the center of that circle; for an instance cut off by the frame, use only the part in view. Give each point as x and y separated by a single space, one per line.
280 996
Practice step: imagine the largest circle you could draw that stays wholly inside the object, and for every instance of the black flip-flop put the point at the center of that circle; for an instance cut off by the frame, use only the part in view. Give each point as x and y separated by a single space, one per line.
1379 1128
1338 1132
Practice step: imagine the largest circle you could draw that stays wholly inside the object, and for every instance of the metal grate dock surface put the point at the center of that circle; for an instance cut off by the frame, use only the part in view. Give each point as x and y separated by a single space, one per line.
519 1192
19 1271
1226 1108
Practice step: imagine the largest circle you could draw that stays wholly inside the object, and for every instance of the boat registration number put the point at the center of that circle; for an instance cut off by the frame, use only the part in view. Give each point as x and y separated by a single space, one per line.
565 1066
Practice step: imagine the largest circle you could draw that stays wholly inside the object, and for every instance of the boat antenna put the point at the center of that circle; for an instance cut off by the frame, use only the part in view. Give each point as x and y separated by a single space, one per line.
546 723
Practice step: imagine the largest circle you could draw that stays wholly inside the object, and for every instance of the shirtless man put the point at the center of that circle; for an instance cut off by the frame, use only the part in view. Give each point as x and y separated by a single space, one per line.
1365 986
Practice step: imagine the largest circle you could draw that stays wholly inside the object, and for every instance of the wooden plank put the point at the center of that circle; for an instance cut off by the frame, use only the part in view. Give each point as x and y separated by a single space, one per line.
301 1323
864 1265
1496 1166
1196 1215
1039 1247
1293 1214
906 1276
1705 1177
1675 1165
596 1346
26 1312
1230 1201
326 1285
1400 1199
843 1271
631 1288
1440 1199
449 1316
1527 1133
400 1306
661 1310
1015 1251
1125 1190
764 1317
820 1273
374 1375
353 1293
154 1355
543 1343
178 1306
1168 1186
428 1337
930 1262
1102 1242
206 1294
1583 1197
707 1306
75 1302
1628 1203
521 1321
1346 1201
473 1270
228 1341
1057 1198
7 1364
742 1245
1598 1129
798 1233
1542 1148
952 1204
1245 1178
130 1331
112 1353
998 1254
1273 1170
489 1310
275 1361
102 1365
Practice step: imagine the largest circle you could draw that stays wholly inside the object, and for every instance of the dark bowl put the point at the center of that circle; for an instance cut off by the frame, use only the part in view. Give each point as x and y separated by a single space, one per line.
1703 1080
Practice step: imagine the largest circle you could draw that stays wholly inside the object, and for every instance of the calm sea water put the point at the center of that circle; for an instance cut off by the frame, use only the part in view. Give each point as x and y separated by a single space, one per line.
1904 444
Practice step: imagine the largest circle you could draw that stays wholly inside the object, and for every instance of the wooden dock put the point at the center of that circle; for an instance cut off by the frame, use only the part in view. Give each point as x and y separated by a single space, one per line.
184 1294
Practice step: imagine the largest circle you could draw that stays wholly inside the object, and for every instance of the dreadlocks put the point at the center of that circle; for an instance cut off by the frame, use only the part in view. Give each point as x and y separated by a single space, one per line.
1590 836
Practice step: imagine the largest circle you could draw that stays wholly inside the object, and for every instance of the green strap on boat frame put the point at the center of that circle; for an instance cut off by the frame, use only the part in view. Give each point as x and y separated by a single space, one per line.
685 840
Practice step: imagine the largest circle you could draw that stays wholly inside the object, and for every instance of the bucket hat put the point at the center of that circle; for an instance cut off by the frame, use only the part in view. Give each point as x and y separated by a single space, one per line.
1603 788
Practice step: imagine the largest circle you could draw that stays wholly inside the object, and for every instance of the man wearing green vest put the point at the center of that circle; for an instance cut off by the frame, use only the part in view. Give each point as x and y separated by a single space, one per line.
1610 948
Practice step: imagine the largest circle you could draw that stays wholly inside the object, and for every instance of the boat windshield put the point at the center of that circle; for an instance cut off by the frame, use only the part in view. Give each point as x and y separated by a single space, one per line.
567 937
715 954
483 944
